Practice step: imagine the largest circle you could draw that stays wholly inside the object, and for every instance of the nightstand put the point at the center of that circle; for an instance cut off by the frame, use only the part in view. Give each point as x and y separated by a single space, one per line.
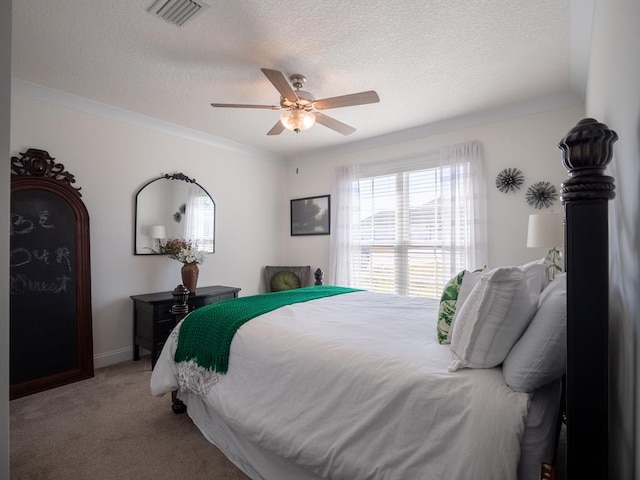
152 319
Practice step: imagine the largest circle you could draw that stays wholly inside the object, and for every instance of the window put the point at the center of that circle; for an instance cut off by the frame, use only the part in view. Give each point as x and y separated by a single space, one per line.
412 224
199 220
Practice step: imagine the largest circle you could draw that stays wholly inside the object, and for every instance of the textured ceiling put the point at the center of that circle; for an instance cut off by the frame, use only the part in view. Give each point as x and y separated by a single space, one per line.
430 61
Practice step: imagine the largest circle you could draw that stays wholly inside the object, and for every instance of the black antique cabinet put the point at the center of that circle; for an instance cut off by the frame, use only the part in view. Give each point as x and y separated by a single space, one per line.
152 319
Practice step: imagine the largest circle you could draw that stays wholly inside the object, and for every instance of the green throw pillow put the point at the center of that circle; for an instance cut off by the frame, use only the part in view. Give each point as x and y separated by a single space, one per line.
284 280
448 304
448 307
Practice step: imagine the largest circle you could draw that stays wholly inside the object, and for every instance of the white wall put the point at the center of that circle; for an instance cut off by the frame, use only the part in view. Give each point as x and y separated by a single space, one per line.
613 97
5 92
528 143
111 160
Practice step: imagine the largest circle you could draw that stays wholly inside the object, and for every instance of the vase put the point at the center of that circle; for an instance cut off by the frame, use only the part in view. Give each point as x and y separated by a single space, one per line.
190 272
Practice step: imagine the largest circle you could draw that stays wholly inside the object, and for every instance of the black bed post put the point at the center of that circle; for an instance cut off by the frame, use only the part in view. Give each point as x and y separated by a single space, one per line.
586 151
179 310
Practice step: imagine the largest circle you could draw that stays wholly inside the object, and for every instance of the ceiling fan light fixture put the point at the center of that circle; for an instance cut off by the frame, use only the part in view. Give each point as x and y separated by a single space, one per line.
297 120
298 109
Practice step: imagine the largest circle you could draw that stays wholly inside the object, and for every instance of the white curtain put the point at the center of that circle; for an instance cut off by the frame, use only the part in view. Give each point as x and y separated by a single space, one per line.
462 203
344 229
193 227
468 197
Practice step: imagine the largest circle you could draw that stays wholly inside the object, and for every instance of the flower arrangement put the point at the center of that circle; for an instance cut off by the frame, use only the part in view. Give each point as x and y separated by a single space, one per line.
184 251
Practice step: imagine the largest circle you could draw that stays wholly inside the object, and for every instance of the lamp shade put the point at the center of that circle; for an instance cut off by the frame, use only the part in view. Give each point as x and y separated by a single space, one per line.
157 231
546 230
297 119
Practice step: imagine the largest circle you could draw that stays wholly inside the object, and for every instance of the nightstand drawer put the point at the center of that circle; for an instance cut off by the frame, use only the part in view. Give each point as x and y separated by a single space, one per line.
163 328
163 311
218 298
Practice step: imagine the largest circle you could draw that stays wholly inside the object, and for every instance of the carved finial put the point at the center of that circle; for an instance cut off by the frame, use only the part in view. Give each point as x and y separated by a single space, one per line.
180 299
586 152
38 163
179 176
319 276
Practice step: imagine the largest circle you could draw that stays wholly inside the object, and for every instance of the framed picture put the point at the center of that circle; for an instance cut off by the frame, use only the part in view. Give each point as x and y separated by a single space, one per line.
311 215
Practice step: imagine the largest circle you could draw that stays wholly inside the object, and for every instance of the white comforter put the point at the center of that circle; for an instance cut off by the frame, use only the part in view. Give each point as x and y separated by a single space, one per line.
356 386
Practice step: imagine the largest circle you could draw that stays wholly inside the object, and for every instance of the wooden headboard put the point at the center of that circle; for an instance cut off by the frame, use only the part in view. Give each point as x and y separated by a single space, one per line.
586 152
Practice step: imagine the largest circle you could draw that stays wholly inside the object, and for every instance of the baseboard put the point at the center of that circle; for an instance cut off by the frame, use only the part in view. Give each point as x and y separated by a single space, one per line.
111 358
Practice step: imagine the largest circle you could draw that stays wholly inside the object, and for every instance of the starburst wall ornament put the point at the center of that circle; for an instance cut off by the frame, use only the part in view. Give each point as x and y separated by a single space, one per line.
541 194
509 180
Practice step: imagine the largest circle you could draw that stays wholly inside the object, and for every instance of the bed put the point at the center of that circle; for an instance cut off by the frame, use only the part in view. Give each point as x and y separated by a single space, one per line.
350 384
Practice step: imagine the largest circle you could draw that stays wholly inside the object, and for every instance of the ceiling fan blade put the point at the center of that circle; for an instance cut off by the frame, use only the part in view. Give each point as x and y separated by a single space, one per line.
334 124
244 105
281 83
360 98
277 129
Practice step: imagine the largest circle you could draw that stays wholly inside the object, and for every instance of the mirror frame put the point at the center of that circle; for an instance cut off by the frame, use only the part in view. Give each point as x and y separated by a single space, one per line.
170 177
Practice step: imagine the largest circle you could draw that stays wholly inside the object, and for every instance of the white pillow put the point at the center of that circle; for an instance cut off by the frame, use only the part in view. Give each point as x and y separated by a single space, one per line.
469 281
497 311
541 261
487 305
527 296
539 357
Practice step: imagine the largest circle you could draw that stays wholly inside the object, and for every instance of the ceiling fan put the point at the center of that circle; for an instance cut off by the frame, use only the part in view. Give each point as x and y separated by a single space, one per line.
299 109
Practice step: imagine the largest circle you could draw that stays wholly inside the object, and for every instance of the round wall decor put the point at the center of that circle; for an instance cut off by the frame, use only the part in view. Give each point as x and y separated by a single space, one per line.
509 180
541 194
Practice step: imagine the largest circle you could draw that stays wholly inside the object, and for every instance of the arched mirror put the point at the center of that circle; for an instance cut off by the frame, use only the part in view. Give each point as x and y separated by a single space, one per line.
173 206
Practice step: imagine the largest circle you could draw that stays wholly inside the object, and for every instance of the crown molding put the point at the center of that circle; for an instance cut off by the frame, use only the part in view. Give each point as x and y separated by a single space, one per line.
468 121
56 97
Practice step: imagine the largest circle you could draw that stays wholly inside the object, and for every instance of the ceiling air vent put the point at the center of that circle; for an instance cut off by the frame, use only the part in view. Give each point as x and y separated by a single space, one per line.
176 11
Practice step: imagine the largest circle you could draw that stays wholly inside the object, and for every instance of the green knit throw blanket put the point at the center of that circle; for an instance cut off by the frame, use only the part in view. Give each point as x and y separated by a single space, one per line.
206 333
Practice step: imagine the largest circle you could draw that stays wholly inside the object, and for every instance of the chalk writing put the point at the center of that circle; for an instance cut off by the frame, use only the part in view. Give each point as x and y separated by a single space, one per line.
42 256
44 217
22 226
62 254
21 256
21 284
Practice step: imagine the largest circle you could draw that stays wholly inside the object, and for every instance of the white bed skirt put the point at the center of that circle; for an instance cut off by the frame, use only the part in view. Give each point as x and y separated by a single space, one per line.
253 460
260 464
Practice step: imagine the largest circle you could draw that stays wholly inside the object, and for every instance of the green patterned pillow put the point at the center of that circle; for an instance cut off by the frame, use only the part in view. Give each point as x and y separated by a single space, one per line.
448 307
448 303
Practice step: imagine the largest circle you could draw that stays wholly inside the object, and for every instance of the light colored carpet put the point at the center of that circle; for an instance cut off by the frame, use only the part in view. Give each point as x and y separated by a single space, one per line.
109 427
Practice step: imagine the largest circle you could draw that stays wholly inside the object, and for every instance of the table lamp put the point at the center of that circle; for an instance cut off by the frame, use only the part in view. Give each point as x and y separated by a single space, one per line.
157 233
547 230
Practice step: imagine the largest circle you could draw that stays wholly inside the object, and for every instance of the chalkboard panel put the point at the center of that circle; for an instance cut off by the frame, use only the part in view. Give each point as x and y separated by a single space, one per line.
49 284
42 286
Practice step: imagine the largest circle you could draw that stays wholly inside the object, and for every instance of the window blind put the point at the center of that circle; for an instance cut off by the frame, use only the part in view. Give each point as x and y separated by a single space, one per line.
413 225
